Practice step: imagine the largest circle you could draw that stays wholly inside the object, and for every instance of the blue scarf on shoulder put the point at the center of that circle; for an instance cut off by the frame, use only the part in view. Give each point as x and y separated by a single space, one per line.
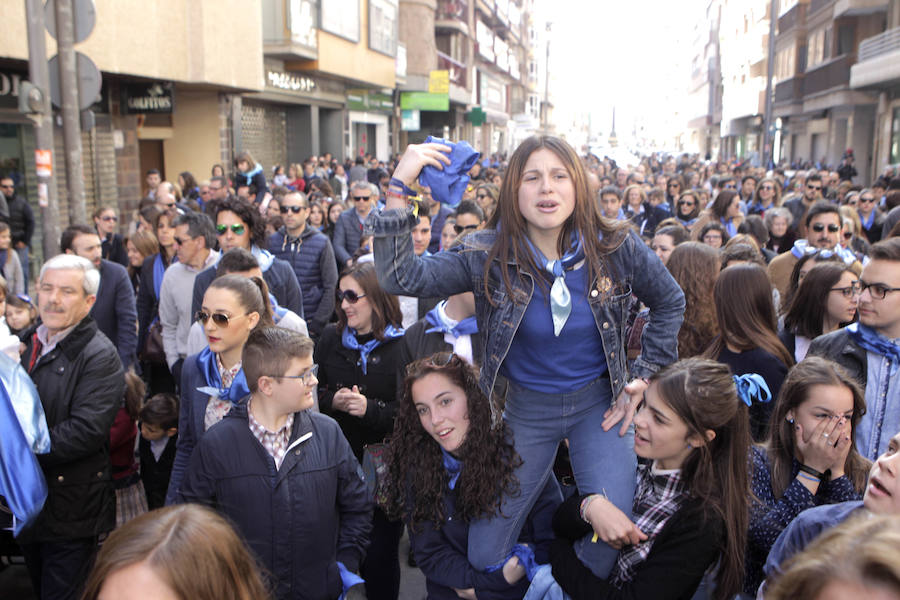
348 339
467 326
206 362
870 340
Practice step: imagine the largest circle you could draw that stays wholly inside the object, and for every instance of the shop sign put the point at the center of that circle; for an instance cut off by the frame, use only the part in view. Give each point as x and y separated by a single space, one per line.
291 83
424 101
409 120
366 100
148 98
9 88
439 82
43 163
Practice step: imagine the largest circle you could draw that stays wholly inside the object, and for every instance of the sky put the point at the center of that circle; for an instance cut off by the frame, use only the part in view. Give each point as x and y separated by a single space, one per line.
634 55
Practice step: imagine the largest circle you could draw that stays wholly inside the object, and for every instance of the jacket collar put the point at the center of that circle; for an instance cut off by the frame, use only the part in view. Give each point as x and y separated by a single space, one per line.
73 344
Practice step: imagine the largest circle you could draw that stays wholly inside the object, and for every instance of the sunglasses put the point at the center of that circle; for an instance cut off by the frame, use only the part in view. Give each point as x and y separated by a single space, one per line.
867 200
730 186
360 198
294 209
848 235
691 204
481 196
768 188
348 295
170 205
459 229
817 188
236 228
108 218
219 319
819 228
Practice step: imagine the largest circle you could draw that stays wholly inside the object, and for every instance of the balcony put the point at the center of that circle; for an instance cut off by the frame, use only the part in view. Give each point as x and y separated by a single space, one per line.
879 61
789 91
452 15
289 29
855 8
456 69
817 5
832 74
792 18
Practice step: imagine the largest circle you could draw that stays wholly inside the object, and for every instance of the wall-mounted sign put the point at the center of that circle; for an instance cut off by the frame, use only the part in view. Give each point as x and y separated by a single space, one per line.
424 101
409 120
144 98
292 83
367 100
439 82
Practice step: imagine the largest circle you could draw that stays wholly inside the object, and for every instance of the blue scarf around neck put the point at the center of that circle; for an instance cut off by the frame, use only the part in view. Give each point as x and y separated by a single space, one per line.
467 326
870 340
453 466
206 362
560 297
348 339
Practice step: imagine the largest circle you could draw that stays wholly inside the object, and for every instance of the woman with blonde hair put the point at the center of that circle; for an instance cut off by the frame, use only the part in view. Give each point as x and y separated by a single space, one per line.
767 195
179 552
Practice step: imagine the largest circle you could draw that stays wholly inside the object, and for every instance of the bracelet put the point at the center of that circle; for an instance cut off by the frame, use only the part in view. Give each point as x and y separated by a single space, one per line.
817 474
584 506
396 183
808 477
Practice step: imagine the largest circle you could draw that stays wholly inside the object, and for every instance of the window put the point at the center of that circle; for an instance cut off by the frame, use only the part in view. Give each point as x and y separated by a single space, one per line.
383 26
485 40
895 137
341 17
784 64
816 48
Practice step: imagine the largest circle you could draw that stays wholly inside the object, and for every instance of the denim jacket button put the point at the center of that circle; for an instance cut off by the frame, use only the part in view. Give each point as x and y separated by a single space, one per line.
612 354
605 324
594 293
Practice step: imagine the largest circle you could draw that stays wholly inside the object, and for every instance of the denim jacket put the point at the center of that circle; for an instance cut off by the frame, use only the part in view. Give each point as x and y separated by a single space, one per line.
638 271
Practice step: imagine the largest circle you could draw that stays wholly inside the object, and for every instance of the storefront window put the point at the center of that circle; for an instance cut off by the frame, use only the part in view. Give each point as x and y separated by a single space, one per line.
383 26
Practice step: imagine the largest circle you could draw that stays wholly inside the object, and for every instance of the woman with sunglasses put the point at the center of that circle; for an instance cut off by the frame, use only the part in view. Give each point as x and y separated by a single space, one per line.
447 466
825 301
767 195
239 225
359 358
156 371
106 221
871 218
211 381
486 195
552 293
687 208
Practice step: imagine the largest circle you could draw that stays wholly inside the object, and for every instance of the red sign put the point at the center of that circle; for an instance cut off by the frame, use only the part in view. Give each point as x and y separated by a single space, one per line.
43 163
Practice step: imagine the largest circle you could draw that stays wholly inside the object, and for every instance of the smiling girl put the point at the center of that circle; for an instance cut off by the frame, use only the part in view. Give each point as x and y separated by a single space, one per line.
553 281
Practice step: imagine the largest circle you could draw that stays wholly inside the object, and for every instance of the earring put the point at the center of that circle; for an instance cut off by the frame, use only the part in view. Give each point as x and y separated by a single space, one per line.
791 421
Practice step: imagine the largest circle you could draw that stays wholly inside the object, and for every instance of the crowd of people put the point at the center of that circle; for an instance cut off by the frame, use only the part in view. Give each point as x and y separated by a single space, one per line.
563 377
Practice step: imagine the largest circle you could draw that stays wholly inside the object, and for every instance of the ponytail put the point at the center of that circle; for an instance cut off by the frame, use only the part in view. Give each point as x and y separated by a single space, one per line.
703 394
266 318
252 293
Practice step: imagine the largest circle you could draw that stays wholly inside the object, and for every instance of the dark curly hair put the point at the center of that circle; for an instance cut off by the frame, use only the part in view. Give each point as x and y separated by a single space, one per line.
249 215
416 478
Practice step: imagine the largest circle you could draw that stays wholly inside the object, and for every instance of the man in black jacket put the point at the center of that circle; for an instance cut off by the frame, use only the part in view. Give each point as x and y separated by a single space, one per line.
114 309
21 222
80 381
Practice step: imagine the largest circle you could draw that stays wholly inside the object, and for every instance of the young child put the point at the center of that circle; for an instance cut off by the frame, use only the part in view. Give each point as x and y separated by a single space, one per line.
20 313
159 435
690 505
130 498
10 266
284 475
9 342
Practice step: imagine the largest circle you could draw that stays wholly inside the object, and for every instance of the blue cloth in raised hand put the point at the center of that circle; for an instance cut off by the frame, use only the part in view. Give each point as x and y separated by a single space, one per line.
448 184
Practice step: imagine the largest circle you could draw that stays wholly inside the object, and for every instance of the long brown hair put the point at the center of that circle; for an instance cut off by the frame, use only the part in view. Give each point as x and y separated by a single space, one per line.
703 394
191 548
746 313
385 307
797 389
805 315
414 459
695 267
511 245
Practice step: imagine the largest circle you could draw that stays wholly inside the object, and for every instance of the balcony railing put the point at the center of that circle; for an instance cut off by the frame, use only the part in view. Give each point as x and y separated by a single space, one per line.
457 69
790 19
789 90
817 5
889 41
832 74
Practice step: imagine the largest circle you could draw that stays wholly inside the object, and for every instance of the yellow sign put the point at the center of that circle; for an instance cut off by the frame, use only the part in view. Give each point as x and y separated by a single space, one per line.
439 82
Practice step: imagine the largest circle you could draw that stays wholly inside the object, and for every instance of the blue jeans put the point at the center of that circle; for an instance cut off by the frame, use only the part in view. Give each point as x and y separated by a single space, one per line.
602 462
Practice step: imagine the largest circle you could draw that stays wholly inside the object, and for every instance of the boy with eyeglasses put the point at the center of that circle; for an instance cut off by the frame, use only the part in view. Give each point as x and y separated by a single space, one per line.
310 254
285 476
824 228
870 349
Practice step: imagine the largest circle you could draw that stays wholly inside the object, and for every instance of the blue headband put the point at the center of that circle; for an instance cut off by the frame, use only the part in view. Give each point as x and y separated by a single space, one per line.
752 387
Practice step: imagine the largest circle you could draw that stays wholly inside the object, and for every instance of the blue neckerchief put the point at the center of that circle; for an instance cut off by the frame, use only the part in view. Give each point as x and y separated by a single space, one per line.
449 184
348 339
560 298
348 579
467 326
452 465
870 340
159 269
867 223
206 362
279 311
752 387
21 478
526 559
801 248
688 223
729 227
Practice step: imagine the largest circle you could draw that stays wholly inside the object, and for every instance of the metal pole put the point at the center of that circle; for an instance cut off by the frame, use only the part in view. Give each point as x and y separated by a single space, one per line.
768 151
39 75
69 109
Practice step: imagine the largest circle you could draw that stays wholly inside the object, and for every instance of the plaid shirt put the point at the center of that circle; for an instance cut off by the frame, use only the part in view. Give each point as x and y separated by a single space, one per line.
276 443
657 496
